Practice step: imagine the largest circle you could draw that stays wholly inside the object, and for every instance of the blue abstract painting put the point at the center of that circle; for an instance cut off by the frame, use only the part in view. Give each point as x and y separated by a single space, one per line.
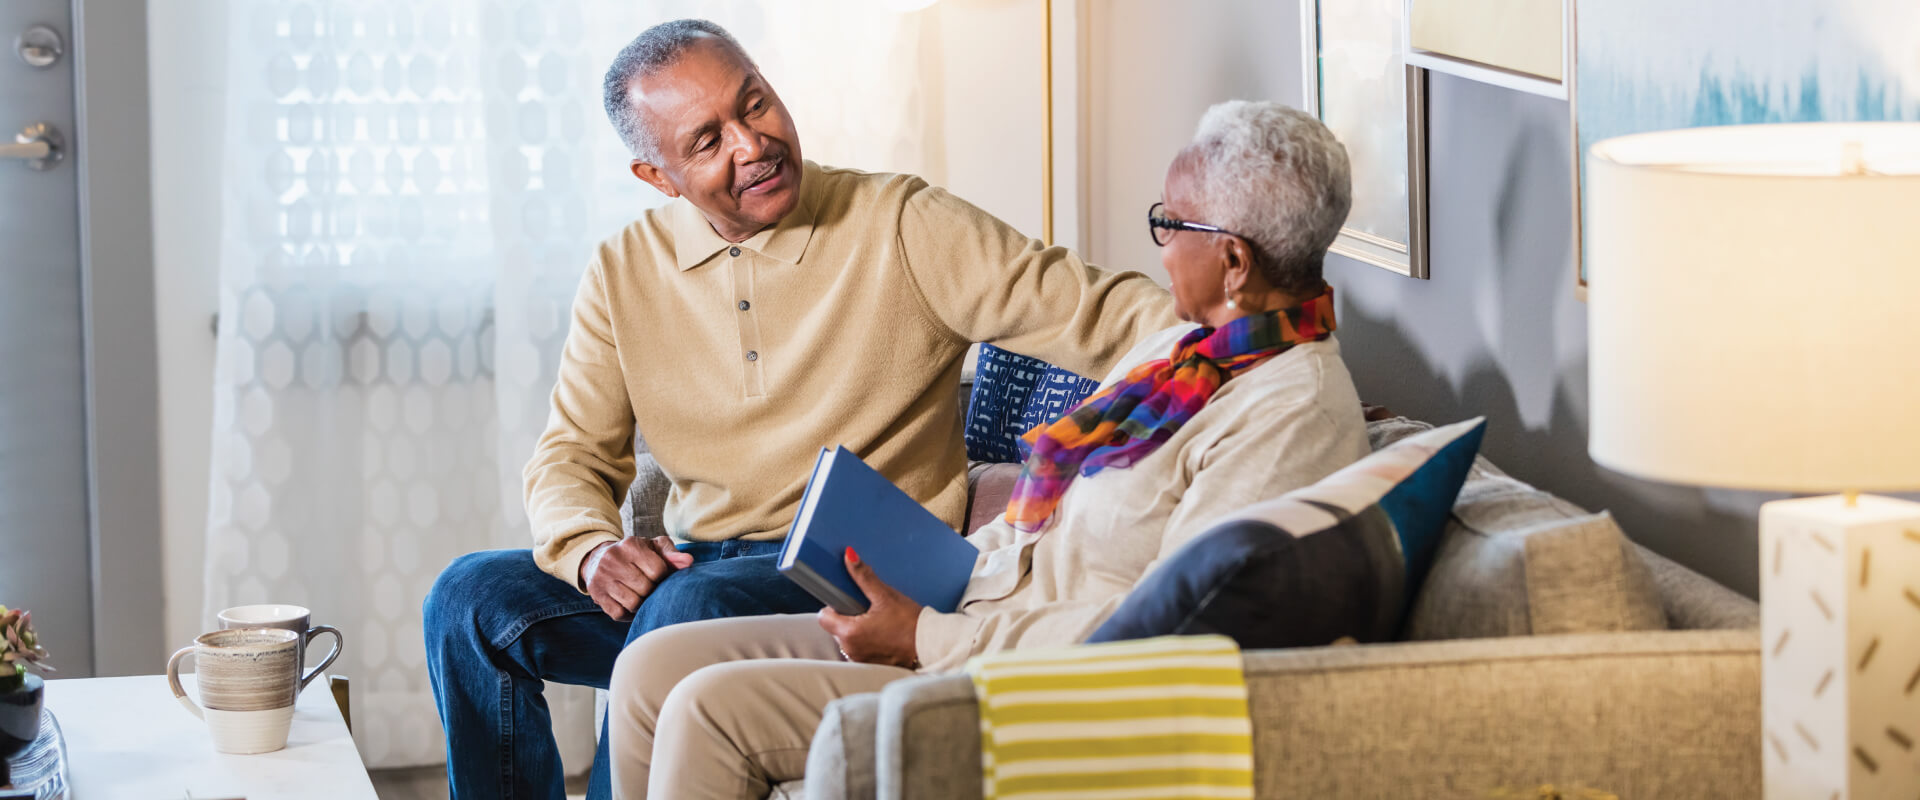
1647 65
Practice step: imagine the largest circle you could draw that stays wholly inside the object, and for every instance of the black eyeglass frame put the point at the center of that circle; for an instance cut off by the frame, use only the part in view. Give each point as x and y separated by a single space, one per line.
1158 222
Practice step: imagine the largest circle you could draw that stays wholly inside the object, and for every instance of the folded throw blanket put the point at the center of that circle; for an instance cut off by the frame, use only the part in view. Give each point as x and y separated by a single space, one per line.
1139 720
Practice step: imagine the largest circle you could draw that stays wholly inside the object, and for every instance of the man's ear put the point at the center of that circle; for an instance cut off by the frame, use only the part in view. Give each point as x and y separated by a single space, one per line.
653 176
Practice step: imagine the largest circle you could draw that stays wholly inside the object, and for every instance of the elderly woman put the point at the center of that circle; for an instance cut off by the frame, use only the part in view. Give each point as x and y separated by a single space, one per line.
1247 401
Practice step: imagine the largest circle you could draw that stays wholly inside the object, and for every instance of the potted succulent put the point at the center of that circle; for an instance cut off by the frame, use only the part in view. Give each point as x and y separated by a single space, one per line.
20 690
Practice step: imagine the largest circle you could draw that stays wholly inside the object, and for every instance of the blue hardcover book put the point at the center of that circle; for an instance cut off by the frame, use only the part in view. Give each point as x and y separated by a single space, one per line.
848 504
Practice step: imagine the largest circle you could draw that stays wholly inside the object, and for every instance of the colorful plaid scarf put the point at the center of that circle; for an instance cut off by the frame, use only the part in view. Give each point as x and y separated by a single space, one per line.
1125 422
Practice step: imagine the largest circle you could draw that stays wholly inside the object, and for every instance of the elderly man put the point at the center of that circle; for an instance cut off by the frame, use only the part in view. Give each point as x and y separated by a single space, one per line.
775 307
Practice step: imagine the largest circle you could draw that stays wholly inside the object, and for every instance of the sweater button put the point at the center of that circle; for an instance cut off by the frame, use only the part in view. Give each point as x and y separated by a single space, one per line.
744 305
753 355
733 251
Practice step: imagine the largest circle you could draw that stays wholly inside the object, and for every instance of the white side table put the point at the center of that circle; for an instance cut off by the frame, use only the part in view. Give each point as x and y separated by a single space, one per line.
128 737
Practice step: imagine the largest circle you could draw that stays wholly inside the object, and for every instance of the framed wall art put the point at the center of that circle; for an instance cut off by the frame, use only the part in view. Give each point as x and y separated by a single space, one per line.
1358 83
1518 44
1645 65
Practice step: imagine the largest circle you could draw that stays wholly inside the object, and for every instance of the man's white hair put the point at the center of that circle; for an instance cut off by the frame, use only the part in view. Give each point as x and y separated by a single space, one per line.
653 50
1277 177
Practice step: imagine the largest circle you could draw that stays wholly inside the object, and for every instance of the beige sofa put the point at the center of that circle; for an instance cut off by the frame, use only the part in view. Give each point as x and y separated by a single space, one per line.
1578 702
1664 713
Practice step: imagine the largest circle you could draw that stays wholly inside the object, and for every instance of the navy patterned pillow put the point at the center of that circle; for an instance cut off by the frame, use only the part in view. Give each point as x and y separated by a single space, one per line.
1011 394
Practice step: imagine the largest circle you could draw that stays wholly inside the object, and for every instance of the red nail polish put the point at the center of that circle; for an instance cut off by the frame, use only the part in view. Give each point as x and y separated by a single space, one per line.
852 557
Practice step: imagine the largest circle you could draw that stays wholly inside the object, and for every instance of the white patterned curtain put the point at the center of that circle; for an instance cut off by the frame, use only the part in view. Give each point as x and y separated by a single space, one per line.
411 190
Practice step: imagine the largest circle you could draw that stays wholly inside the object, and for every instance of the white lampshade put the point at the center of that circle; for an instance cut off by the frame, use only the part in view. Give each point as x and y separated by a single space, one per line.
1754 315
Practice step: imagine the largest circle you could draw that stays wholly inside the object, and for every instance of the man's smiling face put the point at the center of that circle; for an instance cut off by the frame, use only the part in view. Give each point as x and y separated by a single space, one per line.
726 141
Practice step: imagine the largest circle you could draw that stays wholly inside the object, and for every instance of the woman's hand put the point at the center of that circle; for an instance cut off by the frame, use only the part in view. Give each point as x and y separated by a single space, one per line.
883 635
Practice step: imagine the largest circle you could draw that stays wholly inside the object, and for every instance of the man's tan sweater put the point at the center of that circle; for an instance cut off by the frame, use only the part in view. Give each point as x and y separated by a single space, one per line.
844 324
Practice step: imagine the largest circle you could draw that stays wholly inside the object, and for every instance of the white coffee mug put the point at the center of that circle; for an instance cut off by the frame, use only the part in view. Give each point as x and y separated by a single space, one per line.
247 680
293 618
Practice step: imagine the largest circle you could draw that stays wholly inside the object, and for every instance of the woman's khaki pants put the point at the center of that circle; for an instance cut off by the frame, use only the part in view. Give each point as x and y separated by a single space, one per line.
727 708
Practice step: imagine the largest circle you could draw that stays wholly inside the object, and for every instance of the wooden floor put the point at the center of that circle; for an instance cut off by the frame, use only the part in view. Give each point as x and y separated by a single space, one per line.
430 783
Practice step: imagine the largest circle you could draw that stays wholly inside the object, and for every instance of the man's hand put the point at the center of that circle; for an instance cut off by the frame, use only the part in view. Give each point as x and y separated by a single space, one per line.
883 635
620 574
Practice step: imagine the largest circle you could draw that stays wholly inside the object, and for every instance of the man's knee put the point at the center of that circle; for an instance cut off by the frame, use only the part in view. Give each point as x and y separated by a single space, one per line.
467 583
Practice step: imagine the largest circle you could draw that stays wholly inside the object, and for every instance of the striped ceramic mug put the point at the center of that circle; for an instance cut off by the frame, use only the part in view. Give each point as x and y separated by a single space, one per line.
294 618
247 679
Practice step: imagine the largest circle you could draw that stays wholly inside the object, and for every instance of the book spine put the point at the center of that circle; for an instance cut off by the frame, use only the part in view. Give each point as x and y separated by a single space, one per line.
824 589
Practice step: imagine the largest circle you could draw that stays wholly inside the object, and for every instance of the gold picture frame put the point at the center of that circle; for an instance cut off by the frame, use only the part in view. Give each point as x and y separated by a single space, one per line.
1524 45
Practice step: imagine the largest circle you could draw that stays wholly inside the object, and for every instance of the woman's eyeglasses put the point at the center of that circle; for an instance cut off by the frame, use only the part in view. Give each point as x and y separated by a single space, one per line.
1161 226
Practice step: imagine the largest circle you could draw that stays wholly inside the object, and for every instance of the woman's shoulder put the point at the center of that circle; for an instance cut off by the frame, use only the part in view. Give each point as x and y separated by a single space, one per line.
1311 373
1315 358
1158 344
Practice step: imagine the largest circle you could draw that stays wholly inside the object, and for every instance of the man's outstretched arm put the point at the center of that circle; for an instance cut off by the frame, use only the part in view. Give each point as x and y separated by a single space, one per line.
988 282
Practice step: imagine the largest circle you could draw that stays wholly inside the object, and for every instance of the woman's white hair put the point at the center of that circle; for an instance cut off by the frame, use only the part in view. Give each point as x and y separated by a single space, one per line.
1277 177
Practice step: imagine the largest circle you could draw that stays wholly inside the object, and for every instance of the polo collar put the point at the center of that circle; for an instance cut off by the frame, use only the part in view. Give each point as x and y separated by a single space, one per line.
694 241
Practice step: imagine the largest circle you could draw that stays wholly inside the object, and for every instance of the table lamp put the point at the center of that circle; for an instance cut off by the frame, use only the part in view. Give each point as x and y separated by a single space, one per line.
1754 323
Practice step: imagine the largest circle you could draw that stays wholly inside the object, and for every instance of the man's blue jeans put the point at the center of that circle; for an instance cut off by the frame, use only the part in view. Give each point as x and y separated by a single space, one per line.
498 628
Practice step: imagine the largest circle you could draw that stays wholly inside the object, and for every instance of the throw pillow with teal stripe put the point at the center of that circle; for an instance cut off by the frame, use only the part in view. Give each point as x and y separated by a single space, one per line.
1343 557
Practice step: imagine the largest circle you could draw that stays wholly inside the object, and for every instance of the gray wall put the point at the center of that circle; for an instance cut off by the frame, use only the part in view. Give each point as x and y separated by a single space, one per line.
1497 331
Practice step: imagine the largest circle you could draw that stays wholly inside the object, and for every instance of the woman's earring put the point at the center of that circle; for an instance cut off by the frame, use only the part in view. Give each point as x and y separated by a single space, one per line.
1230 304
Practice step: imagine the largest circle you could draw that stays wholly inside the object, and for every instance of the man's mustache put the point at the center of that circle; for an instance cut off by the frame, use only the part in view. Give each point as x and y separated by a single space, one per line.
766 166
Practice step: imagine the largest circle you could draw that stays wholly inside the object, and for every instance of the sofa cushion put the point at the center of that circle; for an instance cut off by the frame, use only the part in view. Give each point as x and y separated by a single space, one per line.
1584 576
1335 559
1576 574
644 512
1383 432
989 488
1517 561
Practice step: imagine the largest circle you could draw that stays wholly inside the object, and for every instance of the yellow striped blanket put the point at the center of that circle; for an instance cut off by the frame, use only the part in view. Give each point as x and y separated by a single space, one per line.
1154 719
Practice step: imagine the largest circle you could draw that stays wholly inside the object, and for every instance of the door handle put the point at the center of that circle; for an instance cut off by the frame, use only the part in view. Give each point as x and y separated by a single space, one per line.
39 144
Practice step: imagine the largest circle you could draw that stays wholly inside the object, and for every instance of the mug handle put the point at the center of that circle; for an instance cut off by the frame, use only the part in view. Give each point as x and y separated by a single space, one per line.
173 681
338 641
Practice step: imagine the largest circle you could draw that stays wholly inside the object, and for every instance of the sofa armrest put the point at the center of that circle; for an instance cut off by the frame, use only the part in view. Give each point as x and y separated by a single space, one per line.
840 760
927 739
1658 714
